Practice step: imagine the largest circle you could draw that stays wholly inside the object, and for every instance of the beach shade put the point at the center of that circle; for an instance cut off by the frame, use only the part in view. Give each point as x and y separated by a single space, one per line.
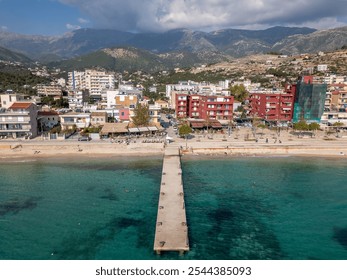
143 129
134 130
197 124
215 124
114 128
152 128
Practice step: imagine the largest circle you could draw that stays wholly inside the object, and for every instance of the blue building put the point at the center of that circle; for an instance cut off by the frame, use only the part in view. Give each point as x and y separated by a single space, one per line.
309 100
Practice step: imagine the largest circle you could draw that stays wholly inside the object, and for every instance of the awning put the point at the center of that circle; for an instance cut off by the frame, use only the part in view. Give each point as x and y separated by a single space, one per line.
215 124
197 124
152 128
143 129
134 130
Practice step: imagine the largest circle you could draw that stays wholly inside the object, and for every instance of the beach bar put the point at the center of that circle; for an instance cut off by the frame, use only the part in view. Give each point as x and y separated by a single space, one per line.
171 232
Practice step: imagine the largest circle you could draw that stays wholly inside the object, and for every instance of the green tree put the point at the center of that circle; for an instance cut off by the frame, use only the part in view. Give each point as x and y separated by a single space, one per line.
262 127
141 115
61 103
301 126
47 100
184 130
239 92
313 127
337 125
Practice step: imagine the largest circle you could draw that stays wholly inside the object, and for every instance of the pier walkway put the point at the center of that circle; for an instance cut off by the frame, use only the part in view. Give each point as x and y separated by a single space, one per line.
171 232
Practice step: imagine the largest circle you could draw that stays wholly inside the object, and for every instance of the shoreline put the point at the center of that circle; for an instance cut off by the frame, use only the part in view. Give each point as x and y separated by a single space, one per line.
101 149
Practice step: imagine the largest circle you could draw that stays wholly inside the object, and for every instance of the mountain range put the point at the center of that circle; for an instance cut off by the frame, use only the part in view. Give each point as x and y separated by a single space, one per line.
175 48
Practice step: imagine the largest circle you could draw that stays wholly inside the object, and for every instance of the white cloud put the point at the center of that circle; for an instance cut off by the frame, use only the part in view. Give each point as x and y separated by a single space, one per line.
83 21
324 23
72 26
3 28
159 15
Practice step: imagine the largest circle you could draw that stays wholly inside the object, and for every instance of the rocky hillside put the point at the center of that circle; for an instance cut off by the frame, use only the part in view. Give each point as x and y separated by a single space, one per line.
324 40
229 41
175 48
133 59
7 55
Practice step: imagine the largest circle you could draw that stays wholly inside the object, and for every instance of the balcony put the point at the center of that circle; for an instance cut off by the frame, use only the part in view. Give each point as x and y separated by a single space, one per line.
271 106
25 121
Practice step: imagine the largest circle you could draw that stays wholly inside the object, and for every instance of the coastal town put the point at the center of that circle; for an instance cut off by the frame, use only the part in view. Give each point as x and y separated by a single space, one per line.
98 109
173 139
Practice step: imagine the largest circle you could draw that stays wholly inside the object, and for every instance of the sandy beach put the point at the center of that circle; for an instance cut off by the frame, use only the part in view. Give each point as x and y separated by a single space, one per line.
239 143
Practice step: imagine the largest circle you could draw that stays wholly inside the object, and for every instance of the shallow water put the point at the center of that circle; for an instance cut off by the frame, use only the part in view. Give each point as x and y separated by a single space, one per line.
237 208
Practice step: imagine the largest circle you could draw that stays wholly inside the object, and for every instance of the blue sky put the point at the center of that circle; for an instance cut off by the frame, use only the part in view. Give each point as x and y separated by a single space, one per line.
55 17
39 17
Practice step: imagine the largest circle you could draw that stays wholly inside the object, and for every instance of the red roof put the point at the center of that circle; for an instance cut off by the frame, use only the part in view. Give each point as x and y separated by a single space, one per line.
47 113
20 105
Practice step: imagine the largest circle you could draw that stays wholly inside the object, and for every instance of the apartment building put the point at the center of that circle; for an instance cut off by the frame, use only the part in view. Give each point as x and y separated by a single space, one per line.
19 120
92 80
217 107
47 120
309 99
52 89
98 118
75 119
336 98
7 99
275 106
128 101
181 105
77 98
154 113
190 87
198 106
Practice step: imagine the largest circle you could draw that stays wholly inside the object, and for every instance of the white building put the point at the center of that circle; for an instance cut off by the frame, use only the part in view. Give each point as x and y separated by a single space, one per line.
52 89
77 98
8 99
72 119
322 67
334 79
19 120
92 80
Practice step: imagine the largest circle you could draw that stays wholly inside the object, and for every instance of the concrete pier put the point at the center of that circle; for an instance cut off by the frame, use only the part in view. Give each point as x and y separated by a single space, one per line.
171 232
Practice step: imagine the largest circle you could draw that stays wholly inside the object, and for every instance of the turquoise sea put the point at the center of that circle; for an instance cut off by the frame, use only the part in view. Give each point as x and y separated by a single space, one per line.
237 208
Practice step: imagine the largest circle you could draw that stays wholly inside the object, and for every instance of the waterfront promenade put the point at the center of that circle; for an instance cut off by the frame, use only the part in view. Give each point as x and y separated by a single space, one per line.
171 232
212 144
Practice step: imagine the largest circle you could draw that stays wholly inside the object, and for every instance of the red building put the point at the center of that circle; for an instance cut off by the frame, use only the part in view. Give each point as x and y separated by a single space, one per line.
124 114
273 105
182 105
217 107
204 107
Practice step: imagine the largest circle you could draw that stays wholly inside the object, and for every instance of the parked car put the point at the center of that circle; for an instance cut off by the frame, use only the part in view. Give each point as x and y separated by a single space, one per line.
84 138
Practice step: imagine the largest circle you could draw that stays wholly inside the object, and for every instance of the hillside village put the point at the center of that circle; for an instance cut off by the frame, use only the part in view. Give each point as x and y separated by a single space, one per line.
104 103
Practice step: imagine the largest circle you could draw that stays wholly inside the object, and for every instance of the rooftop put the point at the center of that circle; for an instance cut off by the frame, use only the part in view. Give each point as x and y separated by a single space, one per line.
20 105
47 113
